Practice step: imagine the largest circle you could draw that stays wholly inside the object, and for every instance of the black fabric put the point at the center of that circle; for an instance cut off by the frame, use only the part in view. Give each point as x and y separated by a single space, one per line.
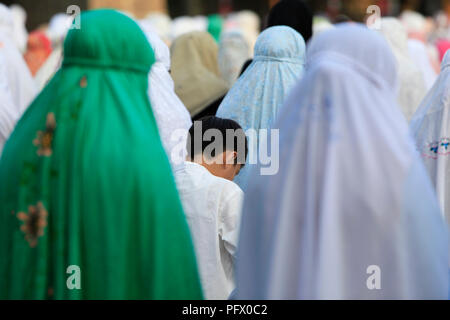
292 13
245 66
209 110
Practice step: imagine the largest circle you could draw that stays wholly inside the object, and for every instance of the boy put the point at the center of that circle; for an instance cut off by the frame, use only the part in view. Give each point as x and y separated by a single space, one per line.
217 149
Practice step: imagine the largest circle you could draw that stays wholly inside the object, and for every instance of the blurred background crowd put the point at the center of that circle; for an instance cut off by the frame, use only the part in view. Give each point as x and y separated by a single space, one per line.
40 26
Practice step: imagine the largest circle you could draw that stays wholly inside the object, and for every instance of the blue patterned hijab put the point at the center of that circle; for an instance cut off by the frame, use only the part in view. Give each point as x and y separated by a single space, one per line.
256 98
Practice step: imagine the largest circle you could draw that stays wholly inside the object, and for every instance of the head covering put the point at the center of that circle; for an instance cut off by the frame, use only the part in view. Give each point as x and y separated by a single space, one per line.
162 23
248 23
195 71
411 83
256 98
86 181
185 24
419 54
233 52
39 49
415 24
215 23
17 79
8 112
20 32
292 13
58 27
6 21
170 113
431 130
321 24
351 202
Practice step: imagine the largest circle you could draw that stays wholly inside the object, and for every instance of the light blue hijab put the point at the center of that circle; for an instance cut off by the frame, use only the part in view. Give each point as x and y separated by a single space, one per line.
256 98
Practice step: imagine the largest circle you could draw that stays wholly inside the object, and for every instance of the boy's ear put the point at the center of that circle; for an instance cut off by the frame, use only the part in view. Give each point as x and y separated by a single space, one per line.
230 157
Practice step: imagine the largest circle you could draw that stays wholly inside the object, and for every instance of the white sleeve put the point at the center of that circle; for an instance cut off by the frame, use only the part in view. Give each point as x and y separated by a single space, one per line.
230 218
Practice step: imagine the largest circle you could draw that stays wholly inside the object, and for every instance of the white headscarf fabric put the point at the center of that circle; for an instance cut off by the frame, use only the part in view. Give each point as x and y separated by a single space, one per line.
17 85
162 24
8 112
411 83
6 21
170 113
256 99
431 129
352 200
21 84
185 24
58 28
233 53
20 32
245 22
419 54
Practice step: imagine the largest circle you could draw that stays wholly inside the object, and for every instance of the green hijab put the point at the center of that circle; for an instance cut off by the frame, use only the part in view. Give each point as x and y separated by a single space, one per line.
215 25
86 182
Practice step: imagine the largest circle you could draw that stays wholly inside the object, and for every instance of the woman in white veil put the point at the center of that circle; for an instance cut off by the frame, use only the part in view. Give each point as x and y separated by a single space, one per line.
431 129
411 83
18 88
172 117
351 213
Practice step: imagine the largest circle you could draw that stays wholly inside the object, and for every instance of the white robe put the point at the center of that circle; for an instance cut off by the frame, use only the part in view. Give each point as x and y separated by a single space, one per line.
352 203
172 117
212 206
419 55
411 81
17 87
431 129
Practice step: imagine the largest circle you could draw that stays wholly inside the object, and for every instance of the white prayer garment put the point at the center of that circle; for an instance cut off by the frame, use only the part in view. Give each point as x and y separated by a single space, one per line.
20 31
256 98
431 129
20 81
171 115
233 53
411 82
419 54
8 113
212 206
17 88
352 213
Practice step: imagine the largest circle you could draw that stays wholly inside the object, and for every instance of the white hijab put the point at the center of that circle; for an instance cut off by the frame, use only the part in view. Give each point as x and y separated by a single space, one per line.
351 195
411 83
431 129
170 113
17 85
8 112
419 54
233 53
20 31
162 24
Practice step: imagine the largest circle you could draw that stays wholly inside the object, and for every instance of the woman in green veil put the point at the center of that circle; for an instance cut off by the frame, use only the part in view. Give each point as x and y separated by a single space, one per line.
88 204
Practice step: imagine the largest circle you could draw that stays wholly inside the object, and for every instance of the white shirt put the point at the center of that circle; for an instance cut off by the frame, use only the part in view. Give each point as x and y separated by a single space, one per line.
213 208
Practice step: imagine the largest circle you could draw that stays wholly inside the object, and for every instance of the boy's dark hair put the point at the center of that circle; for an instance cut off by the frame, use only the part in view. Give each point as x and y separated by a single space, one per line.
233 140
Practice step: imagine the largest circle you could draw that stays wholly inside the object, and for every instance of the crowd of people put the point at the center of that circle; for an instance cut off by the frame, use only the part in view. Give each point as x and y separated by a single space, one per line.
133 150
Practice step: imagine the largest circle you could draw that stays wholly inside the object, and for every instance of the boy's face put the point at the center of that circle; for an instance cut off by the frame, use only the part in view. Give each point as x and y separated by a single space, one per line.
222 166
